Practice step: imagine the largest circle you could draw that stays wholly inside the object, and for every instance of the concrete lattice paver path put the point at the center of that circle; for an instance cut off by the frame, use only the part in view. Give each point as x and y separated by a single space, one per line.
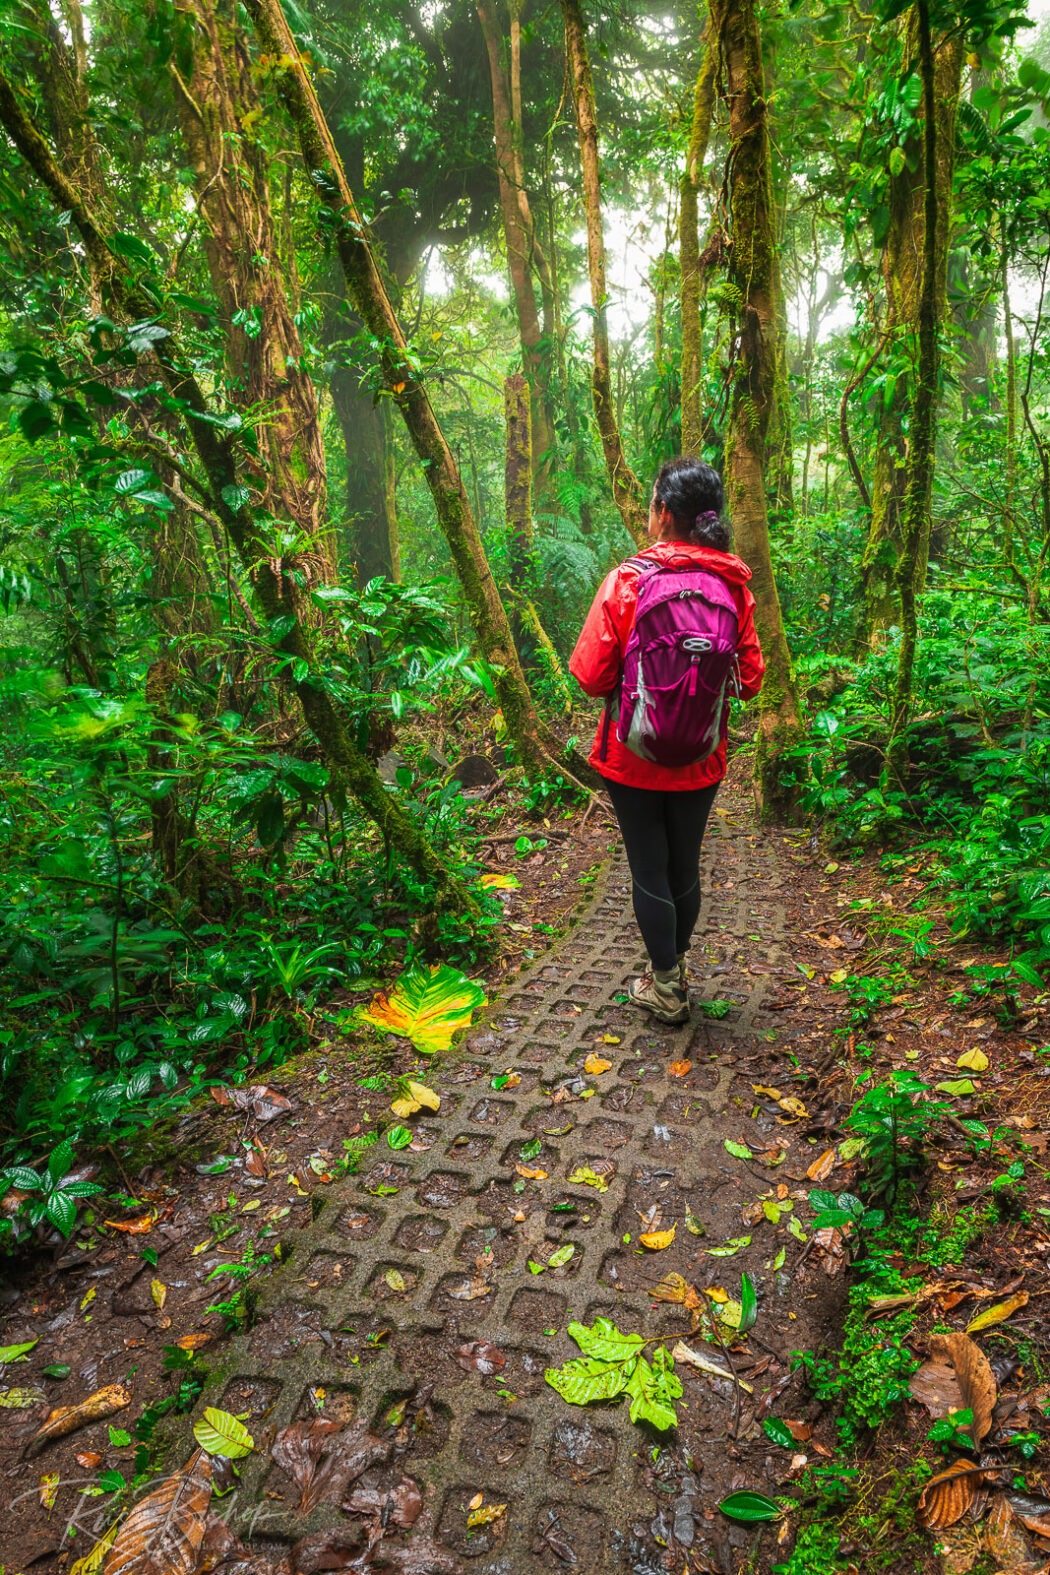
372 1320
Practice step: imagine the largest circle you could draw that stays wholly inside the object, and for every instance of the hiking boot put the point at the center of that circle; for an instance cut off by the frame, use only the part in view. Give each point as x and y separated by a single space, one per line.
664 998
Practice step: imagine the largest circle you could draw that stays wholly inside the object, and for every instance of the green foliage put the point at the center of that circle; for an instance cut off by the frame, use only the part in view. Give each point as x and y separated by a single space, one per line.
870 1375
612 1364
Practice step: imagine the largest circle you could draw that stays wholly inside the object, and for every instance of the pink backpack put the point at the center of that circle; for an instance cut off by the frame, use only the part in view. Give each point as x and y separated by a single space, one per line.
679 667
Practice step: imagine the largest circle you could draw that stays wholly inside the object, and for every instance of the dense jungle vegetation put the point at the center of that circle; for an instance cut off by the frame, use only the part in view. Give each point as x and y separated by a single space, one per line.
339 347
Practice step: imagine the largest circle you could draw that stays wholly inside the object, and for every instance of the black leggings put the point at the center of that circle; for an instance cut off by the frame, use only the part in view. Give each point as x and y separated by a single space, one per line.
663 834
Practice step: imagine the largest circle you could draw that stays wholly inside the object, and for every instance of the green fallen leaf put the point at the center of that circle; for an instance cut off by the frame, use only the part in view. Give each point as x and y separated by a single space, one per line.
730 1247
748 1303
219 1433
779 1432
750 1507
738 1150
560 1257
398 1137
16 1353
957 1086
584 1176
426 1005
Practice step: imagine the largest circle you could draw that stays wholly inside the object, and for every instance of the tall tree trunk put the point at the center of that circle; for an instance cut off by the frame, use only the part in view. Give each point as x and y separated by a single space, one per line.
752 270
371 504
537 745
902 255
938 144
218 109
215 453
628 494
519 229
689 244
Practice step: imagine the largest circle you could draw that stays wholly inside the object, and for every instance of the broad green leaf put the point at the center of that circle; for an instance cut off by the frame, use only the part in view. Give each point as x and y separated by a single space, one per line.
750 1507
748 1303
398 1137
991 1315
20 1399
426 1005
499 882
973 1061
653 1389
16 1353
562 1255
219 1433
604 1340
779 1432
738 1150
589 1378
957 1086
584 1176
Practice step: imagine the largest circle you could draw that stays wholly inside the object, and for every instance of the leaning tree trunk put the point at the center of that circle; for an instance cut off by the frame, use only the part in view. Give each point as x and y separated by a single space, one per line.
219 110
753 273
689 246
902 255
371 504
627 491
922 428
215 454
521 239
536 744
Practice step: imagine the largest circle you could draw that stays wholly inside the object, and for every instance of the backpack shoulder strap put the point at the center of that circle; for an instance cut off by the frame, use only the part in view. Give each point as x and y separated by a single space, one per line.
639 563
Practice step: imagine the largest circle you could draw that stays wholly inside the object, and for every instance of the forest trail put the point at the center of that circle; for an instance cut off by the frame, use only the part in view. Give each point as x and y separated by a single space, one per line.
337 1335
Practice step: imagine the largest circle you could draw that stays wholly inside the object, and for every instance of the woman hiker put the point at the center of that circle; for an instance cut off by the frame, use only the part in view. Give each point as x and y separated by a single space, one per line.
669 637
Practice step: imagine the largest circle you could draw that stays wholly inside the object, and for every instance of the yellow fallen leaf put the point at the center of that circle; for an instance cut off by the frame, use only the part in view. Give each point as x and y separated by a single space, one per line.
93 1561
477 1501
821 1168
973 1061
48 1489
680 1068
595 1065
396 1281
159 1291
764 1088
531 1174
89 1298
716 1293
610 1039
657 1240
485 1517
999 1313
415 1097
193 1342
138 1227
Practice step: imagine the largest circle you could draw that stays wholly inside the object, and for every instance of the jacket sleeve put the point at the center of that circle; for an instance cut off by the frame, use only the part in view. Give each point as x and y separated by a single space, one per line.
595 663
749 652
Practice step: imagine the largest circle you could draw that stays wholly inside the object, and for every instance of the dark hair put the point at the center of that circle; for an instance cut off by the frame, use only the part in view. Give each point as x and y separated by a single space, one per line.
694 494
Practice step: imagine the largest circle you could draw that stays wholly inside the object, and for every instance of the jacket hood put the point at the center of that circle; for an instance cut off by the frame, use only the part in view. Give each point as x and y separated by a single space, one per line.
689 555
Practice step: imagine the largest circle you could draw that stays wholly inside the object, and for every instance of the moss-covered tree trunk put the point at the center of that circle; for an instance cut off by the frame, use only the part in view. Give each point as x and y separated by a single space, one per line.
519 230
217 457
753 272
219 112
936 174
537 746
902 254
628 494
704 96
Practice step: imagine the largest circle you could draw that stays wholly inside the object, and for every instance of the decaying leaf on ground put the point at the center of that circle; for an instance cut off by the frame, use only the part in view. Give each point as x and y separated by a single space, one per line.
685 1353
68 1418
999 1313
947 1496
674 1288
264 1102
1005 1537
400 1504
164 1531
485 1514
93 1560
481 1356
657 1240
957 1377
1031 1512
323 1459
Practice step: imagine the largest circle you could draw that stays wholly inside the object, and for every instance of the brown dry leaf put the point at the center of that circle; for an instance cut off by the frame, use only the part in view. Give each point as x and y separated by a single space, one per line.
265 1103
470 1290
673 1288
89 1459
193 1342
1032 1512
164 1531
657 1240
976 1382
1004 1536
255 1164
401 1504
821 1168
595 1065
323 1458
935 1385
999 1313
477 1501
481 1356
680 1068
947 1496
67 1418
136 1227
958 1549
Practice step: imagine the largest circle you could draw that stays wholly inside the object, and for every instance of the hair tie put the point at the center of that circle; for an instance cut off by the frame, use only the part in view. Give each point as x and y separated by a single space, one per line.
708 517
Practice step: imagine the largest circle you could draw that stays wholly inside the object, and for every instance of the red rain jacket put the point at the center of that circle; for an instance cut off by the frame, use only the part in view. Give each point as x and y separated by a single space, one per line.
597 660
